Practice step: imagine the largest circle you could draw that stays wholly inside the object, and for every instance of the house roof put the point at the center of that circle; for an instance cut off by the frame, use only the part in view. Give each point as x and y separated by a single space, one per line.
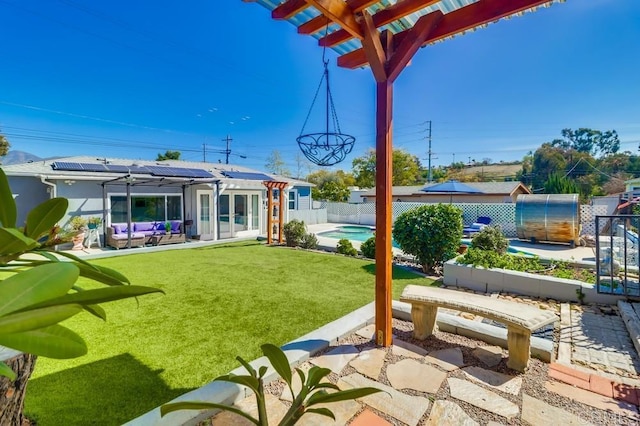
222 172
486 188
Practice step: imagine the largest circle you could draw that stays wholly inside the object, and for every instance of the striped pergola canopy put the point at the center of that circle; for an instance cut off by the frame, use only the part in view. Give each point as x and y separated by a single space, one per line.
344 32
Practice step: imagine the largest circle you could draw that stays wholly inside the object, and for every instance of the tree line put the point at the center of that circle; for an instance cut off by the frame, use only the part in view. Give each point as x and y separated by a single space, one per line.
584 161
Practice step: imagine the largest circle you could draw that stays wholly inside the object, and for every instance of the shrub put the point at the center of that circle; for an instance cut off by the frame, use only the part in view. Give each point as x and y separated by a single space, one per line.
556 268
492 259
490 238
309 241
431 233
345 247
294 232
368 248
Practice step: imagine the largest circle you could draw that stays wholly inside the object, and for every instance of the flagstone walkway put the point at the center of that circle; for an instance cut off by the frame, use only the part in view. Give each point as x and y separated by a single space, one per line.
454 385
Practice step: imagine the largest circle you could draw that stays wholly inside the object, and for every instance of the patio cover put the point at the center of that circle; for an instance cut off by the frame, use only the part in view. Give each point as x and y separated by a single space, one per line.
145 180
385 34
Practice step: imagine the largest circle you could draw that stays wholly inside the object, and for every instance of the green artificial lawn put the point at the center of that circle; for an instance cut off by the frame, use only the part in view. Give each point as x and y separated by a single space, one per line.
221 301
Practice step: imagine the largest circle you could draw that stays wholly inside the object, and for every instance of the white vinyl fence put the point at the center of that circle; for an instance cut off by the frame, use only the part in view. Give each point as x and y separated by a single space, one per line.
501 214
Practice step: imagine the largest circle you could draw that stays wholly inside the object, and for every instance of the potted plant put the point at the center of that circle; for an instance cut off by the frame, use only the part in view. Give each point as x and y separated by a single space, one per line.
78 226
94 222
167 227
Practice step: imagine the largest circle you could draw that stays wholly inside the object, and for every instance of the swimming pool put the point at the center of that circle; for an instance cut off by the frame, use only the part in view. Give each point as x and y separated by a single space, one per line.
363 233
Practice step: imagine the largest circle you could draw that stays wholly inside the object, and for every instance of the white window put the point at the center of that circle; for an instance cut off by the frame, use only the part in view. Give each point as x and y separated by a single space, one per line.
293 200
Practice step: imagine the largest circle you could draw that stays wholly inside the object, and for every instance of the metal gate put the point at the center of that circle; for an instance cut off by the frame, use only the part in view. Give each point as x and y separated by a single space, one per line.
617 259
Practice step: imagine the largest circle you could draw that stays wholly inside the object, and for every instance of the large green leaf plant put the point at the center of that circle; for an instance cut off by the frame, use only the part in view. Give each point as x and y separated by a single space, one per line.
313 393
38 288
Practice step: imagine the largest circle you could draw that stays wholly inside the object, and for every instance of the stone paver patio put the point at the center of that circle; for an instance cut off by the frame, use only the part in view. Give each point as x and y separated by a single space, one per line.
415 376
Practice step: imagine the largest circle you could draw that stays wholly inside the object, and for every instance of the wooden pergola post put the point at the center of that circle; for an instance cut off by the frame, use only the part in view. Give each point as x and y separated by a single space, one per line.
387 59
280 186
281 214
269 214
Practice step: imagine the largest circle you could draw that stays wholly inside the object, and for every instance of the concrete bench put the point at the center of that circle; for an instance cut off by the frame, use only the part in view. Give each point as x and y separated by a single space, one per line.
520 319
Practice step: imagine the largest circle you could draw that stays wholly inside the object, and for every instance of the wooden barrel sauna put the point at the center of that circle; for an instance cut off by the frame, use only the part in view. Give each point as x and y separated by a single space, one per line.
548 217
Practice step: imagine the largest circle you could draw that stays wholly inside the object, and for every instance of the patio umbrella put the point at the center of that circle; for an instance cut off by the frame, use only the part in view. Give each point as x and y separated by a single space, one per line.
451 187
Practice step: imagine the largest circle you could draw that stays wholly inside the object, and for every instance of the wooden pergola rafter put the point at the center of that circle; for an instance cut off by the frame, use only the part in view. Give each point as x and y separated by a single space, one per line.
385 36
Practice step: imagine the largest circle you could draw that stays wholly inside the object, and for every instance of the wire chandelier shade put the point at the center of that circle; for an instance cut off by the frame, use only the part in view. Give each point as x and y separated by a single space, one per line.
331 146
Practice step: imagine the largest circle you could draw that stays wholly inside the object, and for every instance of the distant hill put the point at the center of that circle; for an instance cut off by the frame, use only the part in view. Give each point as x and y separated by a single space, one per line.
17 157
490 172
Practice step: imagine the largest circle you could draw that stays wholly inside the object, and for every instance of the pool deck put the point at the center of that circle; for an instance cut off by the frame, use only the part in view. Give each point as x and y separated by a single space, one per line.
548 251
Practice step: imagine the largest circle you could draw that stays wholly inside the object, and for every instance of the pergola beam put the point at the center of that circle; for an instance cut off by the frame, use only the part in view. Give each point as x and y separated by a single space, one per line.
319 22
383 17
412 42
476 14
376 54
289 8
340 13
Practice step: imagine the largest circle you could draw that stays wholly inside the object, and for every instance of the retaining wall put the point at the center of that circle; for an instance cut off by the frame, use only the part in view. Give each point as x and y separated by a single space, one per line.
534 285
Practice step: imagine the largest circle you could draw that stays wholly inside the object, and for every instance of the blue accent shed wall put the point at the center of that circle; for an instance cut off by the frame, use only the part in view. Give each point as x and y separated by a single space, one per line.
304 197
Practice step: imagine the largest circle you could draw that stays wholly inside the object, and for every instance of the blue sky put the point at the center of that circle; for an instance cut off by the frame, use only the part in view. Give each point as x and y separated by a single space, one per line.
132 79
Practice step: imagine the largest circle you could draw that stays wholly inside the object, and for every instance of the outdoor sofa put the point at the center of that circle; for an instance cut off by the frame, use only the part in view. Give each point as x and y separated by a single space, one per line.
144 233
481 223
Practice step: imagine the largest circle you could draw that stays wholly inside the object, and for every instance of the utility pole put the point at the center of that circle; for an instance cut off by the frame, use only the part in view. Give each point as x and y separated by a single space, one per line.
228 150
429 178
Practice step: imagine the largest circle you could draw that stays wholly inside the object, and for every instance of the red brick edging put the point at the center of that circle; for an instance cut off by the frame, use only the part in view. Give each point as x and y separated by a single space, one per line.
594 383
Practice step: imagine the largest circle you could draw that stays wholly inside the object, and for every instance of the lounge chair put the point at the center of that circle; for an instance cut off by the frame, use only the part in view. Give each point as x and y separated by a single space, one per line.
479 225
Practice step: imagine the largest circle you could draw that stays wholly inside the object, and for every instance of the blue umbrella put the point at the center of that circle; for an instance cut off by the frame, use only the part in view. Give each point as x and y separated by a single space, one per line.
452 186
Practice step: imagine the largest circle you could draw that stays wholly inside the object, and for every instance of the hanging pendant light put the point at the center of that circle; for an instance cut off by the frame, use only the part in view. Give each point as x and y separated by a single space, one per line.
330 146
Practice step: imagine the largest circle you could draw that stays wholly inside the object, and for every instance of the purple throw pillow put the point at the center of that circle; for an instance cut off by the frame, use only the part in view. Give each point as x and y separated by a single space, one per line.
119 228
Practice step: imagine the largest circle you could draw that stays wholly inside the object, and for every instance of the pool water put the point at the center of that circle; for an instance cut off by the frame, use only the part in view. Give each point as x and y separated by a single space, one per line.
353 233
363 233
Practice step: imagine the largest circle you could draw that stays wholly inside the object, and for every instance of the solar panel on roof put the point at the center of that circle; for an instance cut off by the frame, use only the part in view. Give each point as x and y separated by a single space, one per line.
178 172
162 171
63 165
201 173
143 170
93 167
247 176
117 168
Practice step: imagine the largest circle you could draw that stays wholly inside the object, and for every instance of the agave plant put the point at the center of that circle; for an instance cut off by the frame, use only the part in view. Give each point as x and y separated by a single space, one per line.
313 391
38 290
